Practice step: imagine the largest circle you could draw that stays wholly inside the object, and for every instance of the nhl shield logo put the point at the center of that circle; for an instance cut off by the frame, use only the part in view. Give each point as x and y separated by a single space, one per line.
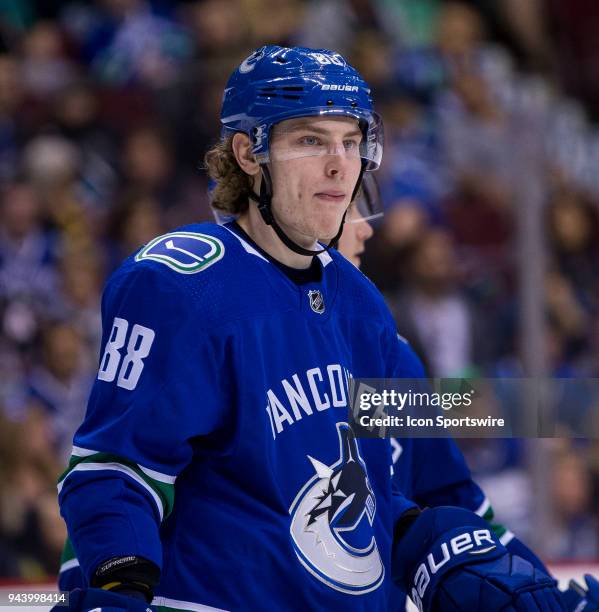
316 301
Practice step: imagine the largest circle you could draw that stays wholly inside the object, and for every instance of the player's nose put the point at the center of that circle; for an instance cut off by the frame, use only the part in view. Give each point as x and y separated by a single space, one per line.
335 165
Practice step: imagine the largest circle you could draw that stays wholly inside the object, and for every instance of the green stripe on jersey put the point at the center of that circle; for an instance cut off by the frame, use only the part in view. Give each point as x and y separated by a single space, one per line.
498 529
161 485
174 605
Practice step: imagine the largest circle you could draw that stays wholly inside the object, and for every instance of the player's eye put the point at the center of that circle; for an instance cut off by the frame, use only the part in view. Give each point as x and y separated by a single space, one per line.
351 145
310 141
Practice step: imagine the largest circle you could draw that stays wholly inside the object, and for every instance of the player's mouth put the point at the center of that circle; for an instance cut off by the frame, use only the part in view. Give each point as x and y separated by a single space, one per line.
331 195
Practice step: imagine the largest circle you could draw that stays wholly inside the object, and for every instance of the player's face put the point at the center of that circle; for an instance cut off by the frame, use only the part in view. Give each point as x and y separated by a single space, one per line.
315 165
356 232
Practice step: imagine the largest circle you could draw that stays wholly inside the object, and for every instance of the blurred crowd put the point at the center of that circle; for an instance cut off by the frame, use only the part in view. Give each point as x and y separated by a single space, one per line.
106 110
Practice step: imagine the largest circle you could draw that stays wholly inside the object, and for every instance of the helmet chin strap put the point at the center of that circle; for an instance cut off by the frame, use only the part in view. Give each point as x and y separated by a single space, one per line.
264 202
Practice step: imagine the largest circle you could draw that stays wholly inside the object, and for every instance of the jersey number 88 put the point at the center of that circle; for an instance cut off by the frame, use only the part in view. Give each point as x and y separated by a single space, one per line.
131 364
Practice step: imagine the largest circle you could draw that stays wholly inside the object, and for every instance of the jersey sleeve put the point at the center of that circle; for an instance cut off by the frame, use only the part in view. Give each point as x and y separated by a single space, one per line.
446 482
160 387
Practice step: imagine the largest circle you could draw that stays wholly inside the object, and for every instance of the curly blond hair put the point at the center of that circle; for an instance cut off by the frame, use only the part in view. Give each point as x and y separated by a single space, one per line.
233 185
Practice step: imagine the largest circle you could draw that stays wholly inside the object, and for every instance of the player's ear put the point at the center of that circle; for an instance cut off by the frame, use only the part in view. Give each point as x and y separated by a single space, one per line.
242 149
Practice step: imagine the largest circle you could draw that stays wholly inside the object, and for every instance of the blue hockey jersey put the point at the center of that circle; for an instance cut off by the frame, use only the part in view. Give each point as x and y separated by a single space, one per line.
216 441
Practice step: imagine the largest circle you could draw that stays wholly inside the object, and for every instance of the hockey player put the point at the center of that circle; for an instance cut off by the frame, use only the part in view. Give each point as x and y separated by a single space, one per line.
215 467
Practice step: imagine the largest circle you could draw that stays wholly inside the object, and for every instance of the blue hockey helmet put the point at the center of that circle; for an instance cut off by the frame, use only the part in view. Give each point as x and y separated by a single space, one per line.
278 83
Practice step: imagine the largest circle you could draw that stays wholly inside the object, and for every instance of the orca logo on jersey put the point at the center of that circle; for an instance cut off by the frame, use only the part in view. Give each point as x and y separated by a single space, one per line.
331 524
316 301
184 252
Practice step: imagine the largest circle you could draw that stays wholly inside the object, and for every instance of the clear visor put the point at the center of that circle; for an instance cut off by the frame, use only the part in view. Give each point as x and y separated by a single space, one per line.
312 137
368 205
